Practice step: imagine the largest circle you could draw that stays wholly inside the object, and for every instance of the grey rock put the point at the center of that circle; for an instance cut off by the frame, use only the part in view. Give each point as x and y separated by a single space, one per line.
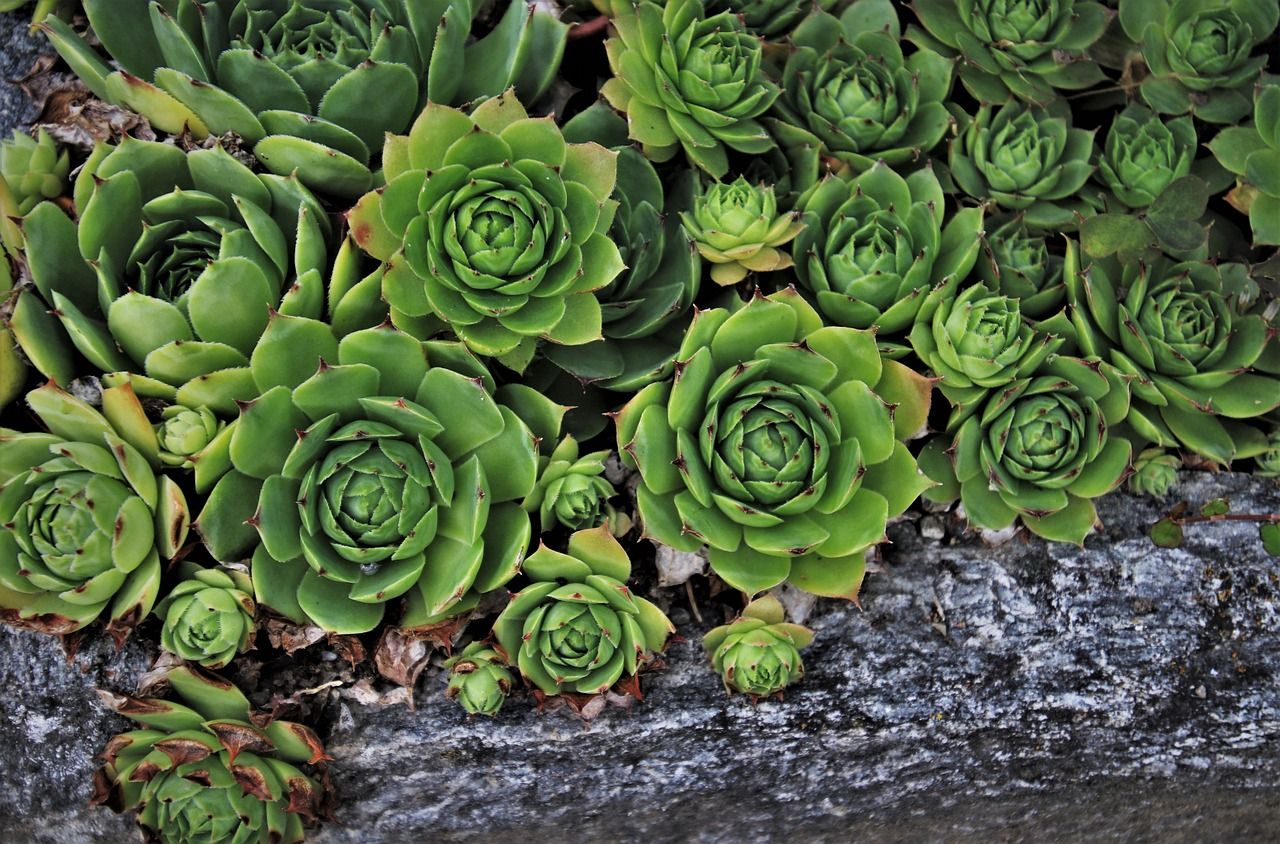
21 49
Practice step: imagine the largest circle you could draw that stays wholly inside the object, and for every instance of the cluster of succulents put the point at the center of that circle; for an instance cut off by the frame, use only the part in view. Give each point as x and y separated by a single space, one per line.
377 329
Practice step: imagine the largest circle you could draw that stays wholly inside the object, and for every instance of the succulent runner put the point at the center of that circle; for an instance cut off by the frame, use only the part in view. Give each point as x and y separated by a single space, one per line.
479 679
758 653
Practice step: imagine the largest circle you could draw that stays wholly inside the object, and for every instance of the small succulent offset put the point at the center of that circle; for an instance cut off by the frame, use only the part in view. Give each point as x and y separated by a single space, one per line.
758 653
209 617
577 627
1021 48
573 492
1018 263
479 679
849 93
772 449
365 493
1200 53
1155 471
1038 450
873 247
1197 363
184 432
738 229
495 226
88 518
1144 154
1268 462
293 77
33 170
172 271
1252 153
202 769
1026 158
688 81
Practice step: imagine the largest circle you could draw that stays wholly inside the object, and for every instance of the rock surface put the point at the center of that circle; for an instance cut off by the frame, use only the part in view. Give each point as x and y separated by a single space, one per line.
1117 692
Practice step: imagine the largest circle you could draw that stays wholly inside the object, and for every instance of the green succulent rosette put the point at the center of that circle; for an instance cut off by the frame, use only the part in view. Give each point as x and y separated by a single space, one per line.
293 77
1267 464
209 617
688 81
1144 154
758 653
976 341
201 769
88 518
874 247
1198 364
172 271
1028 159
33 169
1155 471
373 477
1252 153
185 432
573 492
1017 263
1200 53
849 93
775 447
1025 49
493 225
577 627
771 19
644 309
1038 450
738 229
479 679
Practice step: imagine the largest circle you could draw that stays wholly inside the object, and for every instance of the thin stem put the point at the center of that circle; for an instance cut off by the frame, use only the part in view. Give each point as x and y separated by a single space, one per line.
589 29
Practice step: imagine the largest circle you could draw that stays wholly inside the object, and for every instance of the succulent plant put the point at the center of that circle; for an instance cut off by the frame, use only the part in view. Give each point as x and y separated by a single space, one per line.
850 94
873 247
1268 462
43 8
688 81
1252 152
769 18
375 476
644 309
1026 158
1155 471
1199 53
576 627
1144 154
184 432
208 617
87 518
1188 349
1018 263
293 77
35 169
173 271
1038 450
573 492
772 449
202 769
1021 48
738 229
976 341
758 653
479 679
494 225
